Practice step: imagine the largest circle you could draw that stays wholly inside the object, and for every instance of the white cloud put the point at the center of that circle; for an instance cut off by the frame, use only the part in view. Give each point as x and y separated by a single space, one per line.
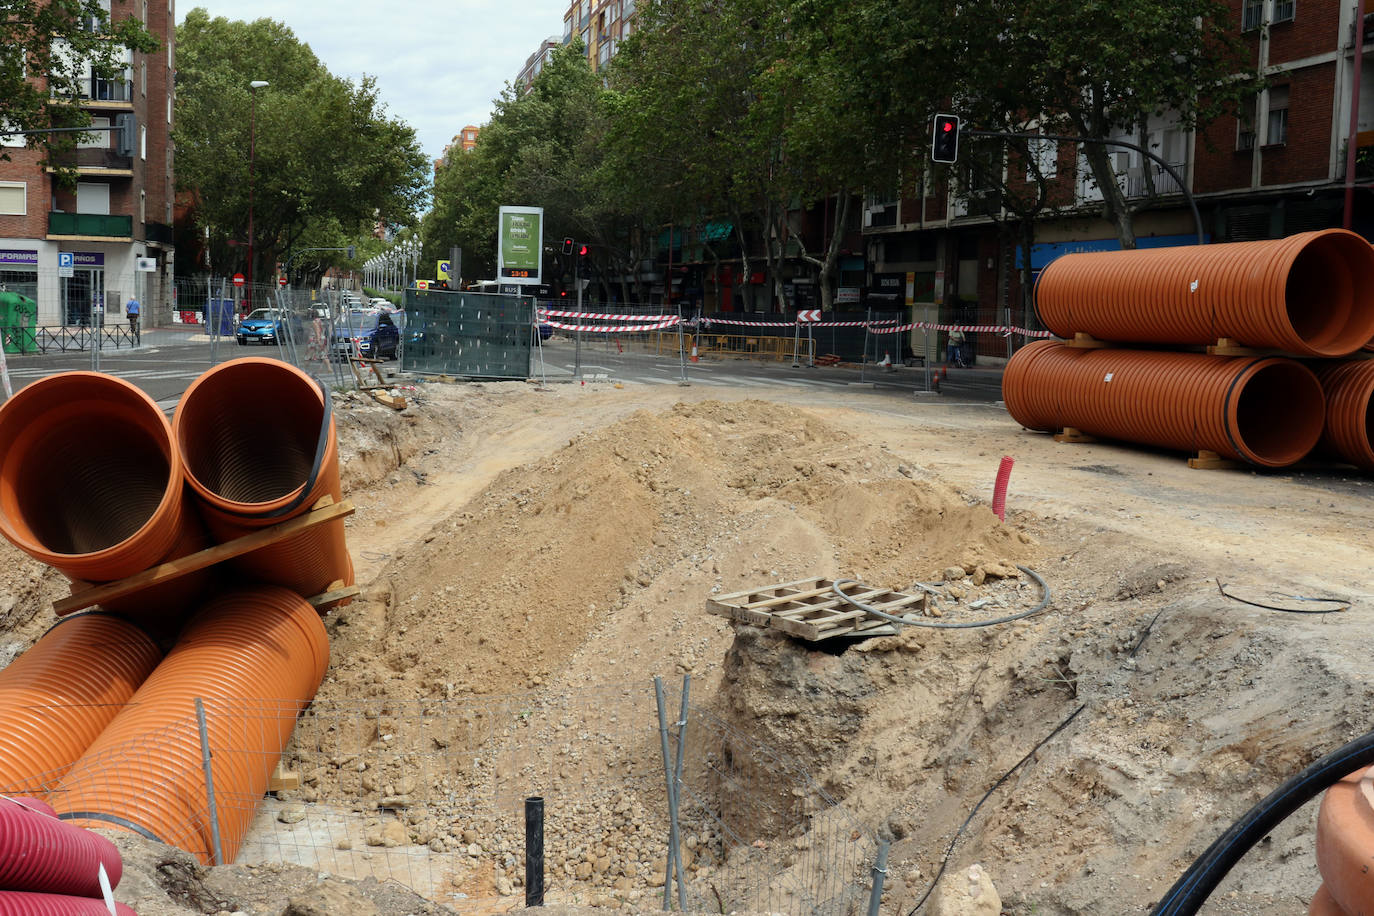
438 65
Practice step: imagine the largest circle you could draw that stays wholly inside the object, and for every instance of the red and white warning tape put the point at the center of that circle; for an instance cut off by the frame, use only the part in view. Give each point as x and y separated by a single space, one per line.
986 328
615 328
598 316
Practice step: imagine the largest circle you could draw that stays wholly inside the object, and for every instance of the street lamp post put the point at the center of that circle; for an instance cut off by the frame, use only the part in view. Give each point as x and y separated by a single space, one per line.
253 88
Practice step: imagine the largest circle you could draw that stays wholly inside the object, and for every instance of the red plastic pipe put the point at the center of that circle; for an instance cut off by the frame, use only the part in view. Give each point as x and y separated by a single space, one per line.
1266 411
56 698
1308 294
40 853
250 468
24 903
999 491
145 773
1349 388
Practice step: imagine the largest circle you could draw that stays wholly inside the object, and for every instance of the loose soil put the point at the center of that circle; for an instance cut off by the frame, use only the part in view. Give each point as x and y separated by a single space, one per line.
513 540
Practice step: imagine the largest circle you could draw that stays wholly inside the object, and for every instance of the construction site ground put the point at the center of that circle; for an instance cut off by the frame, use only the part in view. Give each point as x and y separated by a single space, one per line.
580 529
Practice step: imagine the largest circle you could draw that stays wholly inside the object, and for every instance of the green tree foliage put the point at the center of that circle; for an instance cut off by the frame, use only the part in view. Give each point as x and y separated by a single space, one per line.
46 49
327 161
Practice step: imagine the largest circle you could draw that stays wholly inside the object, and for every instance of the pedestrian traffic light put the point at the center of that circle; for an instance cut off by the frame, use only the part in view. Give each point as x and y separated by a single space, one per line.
567 246
945 142
582 251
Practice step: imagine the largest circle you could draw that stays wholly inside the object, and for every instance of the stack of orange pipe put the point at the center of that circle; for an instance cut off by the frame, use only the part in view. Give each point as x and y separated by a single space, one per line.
1306 295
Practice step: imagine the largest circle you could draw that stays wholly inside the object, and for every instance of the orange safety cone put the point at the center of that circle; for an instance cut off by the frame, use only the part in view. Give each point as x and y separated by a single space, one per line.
694 354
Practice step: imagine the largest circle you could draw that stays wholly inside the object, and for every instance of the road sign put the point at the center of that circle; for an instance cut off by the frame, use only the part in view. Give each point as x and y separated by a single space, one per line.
66 264
422 284
146 265
441 271
238 279
281 281
809 315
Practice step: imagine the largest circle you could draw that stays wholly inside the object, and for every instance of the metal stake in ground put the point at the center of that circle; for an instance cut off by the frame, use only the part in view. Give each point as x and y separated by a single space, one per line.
534 851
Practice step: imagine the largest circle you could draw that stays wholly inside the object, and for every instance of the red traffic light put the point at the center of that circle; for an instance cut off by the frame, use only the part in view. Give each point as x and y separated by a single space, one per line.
945 140
582 252
567 246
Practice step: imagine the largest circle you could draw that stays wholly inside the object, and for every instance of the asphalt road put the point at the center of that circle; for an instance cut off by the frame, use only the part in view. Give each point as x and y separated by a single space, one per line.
169 360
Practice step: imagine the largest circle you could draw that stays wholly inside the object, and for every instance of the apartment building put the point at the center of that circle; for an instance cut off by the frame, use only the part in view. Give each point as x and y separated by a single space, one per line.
72 249
1278 169
601 24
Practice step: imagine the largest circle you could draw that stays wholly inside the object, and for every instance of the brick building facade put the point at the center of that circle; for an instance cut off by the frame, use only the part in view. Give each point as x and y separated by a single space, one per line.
115 221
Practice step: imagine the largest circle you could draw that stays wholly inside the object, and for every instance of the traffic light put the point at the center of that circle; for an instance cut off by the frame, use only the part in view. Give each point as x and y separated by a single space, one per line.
567 246
945 143
582 251
126 134
352 252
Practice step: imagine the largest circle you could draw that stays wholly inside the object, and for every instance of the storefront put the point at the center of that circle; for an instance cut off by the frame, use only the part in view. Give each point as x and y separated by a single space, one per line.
84 290
19 272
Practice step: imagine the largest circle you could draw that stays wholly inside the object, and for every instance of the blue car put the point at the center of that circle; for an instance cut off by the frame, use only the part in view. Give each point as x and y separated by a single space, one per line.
370 334
265 326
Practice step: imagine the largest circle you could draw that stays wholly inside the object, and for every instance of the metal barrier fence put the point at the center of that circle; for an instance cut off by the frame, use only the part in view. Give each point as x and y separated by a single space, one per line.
431 795
473 335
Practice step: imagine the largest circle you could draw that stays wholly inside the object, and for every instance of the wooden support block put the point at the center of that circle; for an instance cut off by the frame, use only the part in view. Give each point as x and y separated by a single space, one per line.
1225 346
1070 434
84 594
1082 341
394 401
1211 461
283 780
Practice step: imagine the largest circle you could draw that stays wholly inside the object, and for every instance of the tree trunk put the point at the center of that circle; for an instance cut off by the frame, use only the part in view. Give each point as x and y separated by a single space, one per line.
746 281
1114 204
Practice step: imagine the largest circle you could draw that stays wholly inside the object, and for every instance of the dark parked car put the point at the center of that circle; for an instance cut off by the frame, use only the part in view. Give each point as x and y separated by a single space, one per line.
370 334
267 326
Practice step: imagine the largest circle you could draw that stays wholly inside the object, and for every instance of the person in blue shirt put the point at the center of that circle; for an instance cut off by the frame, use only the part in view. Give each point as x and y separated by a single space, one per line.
131 311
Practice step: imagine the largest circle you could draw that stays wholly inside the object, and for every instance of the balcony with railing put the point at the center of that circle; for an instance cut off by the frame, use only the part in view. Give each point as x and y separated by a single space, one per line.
93 225
94 159
119 89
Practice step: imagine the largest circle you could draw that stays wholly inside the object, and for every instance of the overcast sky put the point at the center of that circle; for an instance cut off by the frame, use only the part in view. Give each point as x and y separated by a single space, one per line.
438 64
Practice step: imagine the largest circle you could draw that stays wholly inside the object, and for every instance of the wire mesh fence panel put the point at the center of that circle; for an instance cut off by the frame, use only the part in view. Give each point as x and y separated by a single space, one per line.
760 833
615 341
474 335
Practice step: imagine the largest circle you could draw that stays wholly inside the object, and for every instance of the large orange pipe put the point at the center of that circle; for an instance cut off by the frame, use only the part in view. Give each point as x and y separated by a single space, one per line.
1307 294
145 773
1267 411
91 484
57 697
1349 388
250 432
1345 841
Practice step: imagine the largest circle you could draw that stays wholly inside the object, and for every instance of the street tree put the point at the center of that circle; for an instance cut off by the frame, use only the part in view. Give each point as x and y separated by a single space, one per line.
322 151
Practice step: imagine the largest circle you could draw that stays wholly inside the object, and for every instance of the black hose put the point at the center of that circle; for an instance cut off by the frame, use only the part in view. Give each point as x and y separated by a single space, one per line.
941 625
1202 877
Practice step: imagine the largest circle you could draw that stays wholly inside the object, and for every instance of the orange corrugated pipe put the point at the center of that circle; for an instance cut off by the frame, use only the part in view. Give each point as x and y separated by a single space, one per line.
1345 842
1307 294
56 698
145 772
1267 410
91 484
1349 388
250 467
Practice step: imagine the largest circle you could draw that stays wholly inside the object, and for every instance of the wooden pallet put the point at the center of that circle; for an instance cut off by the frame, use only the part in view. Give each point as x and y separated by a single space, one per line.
86 594
810 609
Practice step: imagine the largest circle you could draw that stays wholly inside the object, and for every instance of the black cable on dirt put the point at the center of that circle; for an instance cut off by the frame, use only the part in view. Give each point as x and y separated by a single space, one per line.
949 853
837 588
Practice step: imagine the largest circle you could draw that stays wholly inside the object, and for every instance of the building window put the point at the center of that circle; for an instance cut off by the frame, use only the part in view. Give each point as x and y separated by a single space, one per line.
1285 10
14 198
143 206
143 77
1245 130
1251 15
99 139
143 142
628 9
1276 131
1044 160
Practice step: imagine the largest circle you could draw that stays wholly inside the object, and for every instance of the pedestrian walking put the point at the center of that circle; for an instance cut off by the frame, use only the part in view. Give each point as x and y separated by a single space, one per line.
132 309
955 350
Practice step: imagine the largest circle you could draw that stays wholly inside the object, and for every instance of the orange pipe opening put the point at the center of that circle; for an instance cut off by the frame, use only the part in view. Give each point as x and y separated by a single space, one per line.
1265 411
57 697
1345 841
145 773
250 468
1307 294
91 484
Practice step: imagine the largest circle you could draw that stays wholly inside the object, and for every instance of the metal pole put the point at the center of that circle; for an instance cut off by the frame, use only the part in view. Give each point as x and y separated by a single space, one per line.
534 851
796 343
577 348
681 346
676 806
672 797
1354 118
868 332
209 782
879 873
